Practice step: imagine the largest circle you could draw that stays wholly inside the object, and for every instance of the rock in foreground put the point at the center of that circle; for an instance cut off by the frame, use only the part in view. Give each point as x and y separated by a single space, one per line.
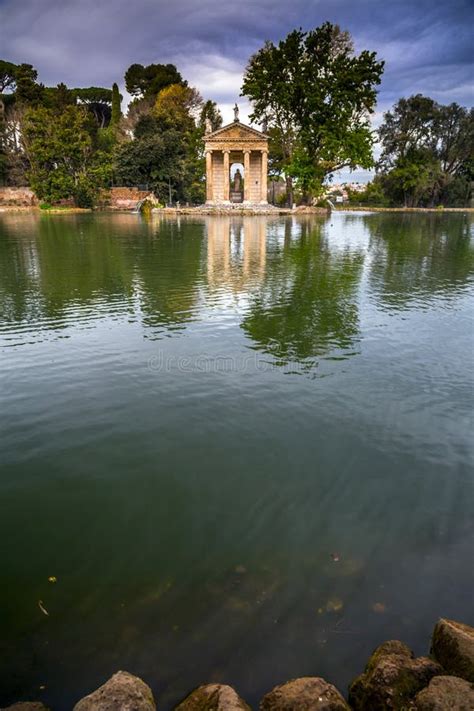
122 692
453 647
310 693
213 697
445 693
391 679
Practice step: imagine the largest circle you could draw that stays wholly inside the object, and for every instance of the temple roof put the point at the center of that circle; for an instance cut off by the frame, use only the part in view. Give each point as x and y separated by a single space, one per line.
236 130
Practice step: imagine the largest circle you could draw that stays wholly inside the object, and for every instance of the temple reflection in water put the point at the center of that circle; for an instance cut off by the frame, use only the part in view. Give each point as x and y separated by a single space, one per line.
236 250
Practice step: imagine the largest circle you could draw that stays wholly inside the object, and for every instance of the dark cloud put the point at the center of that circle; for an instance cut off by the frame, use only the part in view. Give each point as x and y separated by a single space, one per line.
427 45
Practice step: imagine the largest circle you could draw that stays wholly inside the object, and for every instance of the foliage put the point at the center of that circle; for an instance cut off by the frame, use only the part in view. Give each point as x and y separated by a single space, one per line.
166 152
98 101
316 97
428 152
210 111
93 95
147 82
116 110
28 91
62 162
372 195
7 75
57 97
177 106
153 160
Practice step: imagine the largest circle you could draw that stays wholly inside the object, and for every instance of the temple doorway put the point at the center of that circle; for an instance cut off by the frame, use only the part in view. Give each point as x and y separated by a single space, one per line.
237 182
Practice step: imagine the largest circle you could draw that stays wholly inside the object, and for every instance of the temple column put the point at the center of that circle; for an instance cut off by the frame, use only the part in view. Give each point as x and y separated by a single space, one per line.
264 197
209 185
246 176
226 176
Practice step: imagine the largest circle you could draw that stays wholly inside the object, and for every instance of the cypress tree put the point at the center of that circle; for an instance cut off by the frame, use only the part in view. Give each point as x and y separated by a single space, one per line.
116 110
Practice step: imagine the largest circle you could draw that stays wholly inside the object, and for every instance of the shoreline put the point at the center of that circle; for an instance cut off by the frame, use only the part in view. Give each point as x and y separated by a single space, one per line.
219 211
393 680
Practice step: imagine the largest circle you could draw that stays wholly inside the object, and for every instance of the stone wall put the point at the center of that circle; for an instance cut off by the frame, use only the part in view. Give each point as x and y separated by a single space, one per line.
122 198
115 198
19 197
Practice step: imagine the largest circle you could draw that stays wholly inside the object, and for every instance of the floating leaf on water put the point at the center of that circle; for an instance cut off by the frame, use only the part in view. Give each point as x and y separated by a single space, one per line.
240 569
379 607
42 608
52 579
320 611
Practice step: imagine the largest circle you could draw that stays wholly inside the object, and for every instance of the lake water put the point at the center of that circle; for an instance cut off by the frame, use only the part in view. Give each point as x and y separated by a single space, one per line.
243 447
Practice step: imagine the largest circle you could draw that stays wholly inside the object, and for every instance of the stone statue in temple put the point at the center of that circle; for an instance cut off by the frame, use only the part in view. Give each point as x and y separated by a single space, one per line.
236 113
238 181
208 125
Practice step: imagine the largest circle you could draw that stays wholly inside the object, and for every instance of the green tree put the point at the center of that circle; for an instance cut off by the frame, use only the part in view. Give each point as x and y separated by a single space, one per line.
210 111
373 194
428 151
316 96
177 106
60 152
155 160
7 75
58 97
116 110
166 153
3 145
147 81
28 91
98 101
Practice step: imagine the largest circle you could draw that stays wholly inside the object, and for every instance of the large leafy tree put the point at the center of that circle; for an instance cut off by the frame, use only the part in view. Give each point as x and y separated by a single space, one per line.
177 107
7 75
98 100
60 151
428 152
165 151
316 96
210 112
153 160
145 82
22 90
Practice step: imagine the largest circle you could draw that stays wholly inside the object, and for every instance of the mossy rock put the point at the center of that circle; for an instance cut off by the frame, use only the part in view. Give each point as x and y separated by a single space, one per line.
391 679
309 693
453 647
122 692
213 697
445 693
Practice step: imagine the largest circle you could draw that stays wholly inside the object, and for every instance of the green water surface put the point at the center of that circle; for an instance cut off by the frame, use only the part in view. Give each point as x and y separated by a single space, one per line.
243 447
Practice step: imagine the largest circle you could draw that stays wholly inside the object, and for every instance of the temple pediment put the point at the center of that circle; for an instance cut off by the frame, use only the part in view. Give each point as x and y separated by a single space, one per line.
236 131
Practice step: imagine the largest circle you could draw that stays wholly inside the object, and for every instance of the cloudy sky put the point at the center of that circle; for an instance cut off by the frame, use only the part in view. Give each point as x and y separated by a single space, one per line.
427 44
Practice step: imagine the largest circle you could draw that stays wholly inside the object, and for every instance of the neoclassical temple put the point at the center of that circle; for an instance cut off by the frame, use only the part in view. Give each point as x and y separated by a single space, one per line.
231 144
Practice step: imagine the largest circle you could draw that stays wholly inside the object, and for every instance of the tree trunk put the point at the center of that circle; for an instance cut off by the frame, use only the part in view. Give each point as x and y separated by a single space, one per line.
289 190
